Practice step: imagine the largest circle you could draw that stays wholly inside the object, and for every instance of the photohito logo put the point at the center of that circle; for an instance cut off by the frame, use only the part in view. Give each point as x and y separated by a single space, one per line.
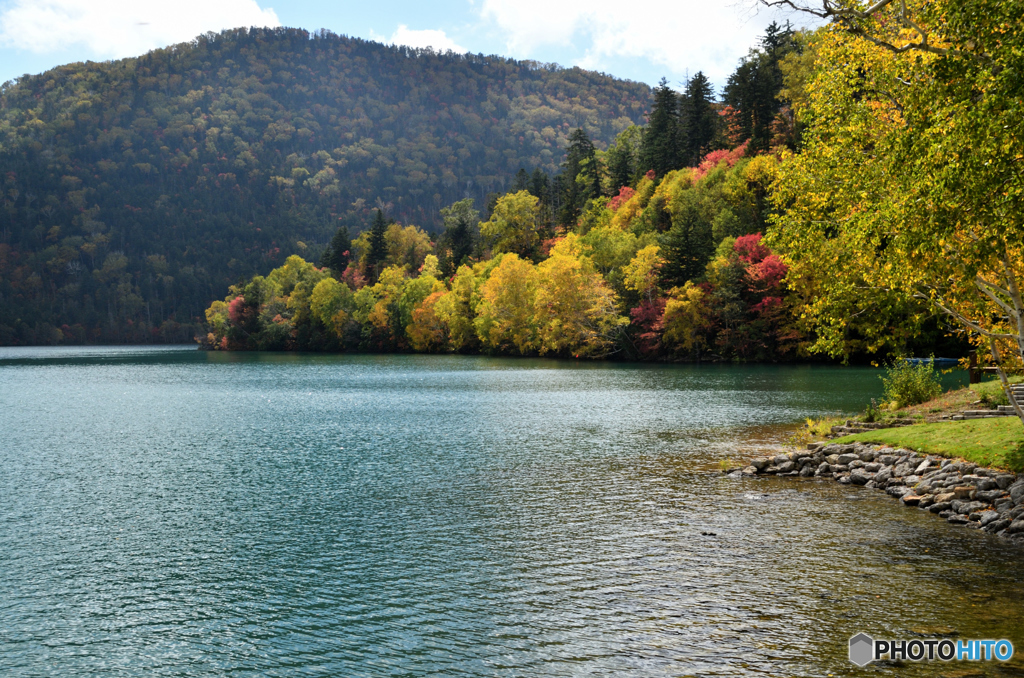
864 649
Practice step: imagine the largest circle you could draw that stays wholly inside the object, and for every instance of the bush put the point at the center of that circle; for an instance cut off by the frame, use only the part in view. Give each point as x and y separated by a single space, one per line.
872 414
909 384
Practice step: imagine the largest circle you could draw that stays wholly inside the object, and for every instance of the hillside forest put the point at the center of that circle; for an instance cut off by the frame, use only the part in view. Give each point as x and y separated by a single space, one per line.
133 192
665 244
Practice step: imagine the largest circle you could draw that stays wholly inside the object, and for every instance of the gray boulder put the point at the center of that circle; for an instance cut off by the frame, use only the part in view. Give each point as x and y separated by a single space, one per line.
924 466
985 517
1016 526
998 525
860 477
989 495
1004 480
1003 505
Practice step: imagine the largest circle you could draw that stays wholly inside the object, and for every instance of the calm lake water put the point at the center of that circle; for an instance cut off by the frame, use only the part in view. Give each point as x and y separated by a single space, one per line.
167 512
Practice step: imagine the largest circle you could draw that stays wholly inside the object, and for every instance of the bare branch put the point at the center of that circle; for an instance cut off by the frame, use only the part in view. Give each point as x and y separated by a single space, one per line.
983 288
971 324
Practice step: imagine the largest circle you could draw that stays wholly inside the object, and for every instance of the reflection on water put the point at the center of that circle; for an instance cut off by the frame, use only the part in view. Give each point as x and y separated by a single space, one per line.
165 512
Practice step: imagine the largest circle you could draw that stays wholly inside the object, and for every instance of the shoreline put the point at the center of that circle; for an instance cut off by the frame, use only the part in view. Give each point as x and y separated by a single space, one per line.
961 492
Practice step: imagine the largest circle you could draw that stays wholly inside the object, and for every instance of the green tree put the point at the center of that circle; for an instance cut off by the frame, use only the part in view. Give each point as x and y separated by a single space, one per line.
581 176
660 148
688 245
459 239
753 88
336 255
623 159
699 120
377 249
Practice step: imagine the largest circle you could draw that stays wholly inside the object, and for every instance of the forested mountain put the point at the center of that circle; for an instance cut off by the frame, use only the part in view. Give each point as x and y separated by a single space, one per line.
135 191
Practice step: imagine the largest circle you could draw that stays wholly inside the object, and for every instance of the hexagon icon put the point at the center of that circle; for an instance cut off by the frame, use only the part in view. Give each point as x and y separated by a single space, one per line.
861 649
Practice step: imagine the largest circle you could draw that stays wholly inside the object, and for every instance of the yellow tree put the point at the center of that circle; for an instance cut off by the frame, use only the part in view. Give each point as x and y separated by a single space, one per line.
505 316
641 273
513 224
911 179
457 309
576 311
427 331
686 318
331 303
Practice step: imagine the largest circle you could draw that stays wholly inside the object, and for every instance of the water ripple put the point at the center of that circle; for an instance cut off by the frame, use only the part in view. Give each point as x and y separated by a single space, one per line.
165 513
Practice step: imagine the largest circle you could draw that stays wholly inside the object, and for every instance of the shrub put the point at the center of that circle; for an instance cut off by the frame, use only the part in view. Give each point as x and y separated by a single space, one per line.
909 384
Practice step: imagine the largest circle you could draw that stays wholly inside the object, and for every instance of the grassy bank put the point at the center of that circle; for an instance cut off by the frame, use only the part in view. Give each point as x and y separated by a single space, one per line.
989 442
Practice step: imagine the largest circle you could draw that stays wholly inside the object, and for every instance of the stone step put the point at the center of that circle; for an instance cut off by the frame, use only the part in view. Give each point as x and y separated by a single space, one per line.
988 413
962 417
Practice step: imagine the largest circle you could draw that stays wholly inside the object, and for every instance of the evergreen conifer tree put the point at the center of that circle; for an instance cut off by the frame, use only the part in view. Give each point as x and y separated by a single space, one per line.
521 182
540 186
754 86
581 178
378 247
700 118
688 245
335 256
660 148
457 242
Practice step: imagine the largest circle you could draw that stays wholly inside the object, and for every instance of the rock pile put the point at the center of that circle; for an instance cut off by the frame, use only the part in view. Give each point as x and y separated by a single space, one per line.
959 491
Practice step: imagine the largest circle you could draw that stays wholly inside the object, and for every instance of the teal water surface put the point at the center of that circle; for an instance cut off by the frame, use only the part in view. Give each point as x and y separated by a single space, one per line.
169 512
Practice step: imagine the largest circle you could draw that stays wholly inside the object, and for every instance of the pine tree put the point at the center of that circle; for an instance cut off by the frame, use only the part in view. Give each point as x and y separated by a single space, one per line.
581 177
754 86
700 118
660 148
521 182
540 186
620 168
459 238
378 249
688 246
335 256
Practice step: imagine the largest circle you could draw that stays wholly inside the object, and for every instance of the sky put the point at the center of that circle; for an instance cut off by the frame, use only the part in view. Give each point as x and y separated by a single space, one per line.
660 38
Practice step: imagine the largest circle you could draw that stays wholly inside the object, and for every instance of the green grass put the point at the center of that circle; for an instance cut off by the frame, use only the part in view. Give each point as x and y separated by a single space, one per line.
982 441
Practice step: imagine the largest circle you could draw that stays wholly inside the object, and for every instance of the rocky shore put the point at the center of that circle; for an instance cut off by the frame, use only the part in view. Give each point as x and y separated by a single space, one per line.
958 491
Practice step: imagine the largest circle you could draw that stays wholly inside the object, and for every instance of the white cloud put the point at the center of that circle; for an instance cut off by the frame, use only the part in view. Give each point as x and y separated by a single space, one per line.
436 39
121 28
679 35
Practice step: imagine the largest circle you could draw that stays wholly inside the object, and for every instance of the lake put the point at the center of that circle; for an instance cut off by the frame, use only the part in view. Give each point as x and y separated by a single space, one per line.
170 512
